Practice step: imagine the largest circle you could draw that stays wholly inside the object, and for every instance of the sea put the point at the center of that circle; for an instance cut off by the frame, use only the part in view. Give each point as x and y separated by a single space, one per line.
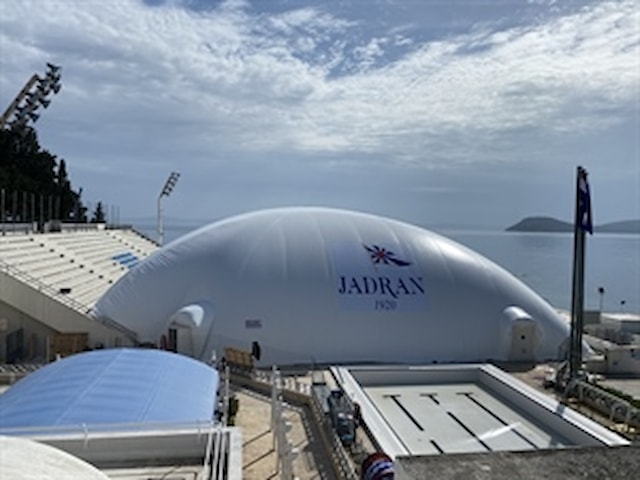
543 261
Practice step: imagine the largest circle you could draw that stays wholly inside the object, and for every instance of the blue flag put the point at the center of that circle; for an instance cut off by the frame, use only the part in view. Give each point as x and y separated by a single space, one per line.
584 202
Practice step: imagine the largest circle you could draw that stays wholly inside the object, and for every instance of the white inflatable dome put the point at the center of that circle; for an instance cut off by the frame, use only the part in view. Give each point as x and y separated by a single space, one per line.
25 459
323 285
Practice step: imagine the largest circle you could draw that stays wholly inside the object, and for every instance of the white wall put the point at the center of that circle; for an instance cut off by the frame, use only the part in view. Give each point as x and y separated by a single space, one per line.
42 315
623 359
11 320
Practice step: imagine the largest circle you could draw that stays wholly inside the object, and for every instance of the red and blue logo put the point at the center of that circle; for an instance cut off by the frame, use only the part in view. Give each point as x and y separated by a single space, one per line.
383 256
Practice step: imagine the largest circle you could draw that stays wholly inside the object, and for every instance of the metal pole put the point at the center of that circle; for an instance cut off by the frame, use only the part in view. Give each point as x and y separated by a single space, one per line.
14 212
35 98
574 298
160 227
23 93
579 318
4 212
41 219
577 290
165 192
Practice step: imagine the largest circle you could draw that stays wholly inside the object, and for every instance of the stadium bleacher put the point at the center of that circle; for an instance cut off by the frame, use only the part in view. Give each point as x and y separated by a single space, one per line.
79 264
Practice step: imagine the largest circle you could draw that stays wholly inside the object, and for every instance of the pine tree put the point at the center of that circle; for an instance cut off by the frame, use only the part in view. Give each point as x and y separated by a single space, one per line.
98 214
40 181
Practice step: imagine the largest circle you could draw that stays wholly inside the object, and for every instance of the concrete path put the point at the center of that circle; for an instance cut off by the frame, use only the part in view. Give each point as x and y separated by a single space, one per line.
259 457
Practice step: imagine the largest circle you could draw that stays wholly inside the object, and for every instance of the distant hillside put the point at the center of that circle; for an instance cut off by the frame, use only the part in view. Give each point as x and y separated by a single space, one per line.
540 224
549 224
625 226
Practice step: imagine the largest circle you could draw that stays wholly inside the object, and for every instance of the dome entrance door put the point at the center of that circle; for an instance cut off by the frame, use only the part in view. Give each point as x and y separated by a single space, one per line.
523 333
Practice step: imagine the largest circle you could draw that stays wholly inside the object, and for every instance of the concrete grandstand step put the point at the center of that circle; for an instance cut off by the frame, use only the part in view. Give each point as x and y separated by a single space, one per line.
79 291
87 263
104 252
26 260
87 248
62 275
17 239
17 247
91 297
77 242
84 281
23 242
25 255
54 268
76 237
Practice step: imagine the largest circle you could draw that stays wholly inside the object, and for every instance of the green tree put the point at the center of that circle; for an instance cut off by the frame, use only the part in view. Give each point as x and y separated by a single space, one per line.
68 198
37 176
80 210
98 214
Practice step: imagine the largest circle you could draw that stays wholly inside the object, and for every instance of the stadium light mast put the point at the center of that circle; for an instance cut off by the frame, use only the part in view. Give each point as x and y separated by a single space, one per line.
166 191
32 96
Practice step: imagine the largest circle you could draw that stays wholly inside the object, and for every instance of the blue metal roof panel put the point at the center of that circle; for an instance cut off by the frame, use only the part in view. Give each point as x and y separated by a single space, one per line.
112 386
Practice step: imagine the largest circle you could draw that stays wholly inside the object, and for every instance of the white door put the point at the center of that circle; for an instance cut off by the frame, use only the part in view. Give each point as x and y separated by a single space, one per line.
523 334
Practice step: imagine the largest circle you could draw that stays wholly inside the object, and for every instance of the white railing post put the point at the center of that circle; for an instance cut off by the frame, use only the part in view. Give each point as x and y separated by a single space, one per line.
225 396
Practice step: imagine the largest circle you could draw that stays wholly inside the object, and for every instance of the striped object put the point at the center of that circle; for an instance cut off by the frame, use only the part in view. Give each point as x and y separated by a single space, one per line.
377 466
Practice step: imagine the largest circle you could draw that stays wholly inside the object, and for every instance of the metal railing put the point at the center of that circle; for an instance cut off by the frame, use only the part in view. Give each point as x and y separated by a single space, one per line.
216 453
88 431
17 228
340 458
191 439
10 373
616 408
291 384
51 226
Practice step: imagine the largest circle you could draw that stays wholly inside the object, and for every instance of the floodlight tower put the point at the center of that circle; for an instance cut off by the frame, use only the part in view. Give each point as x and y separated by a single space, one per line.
166 191
32 96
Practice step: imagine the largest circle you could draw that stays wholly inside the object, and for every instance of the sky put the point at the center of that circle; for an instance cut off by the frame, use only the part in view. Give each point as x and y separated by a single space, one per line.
442 113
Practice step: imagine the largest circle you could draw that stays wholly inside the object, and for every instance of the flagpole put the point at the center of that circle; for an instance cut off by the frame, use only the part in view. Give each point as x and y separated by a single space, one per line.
573 362
582 222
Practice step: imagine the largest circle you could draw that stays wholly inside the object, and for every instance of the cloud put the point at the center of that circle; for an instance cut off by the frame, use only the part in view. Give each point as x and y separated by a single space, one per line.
231 81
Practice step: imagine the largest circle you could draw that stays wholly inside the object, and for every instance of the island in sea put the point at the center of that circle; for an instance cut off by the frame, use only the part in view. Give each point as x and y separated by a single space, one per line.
549 224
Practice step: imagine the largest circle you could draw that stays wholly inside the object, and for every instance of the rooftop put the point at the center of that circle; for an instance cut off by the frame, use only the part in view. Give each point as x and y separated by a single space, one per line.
445 409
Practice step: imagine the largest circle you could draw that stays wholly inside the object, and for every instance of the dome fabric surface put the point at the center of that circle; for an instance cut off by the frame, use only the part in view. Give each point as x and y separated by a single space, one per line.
324 285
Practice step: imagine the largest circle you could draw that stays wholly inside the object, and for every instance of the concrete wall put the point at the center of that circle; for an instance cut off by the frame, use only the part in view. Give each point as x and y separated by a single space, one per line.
626 322
41 316
623 359
592 317
630 326
538 408
35 333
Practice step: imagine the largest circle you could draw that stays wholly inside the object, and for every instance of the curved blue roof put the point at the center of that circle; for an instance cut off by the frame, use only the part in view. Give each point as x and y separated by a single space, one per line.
112 386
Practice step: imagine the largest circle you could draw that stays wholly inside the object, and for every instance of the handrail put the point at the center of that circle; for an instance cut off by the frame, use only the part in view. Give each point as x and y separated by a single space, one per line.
86 430
206 469
145 236
61 298
338 454
616 408
52 226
